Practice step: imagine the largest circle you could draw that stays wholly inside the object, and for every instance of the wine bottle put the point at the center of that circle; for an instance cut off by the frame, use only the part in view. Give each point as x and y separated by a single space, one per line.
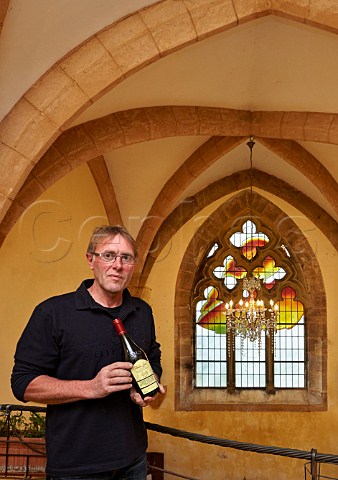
143 376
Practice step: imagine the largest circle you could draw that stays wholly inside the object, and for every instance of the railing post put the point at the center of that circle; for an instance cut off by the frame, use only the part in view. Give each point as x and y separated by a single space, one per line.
313 464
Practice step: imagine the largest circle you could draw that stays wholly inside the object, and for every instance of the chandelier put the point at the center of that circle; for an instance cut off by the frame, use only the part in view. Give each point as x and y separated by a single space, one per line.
249 317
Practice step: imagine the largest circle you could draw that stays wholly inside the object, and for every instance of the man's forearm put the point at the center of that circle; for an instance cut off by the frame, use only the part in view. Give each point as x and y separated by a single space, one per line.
110 379
45 389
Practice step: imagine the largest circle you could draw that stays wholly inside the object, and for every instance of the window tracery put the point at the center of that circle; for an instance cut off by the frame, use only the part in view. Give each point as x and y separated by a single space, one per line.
249 251
275 376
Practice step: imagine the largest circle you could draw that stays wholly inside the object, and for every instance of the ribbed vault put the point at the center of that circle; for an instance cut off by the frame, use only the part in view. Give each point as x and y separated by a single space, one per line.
37 147
110 56
89 141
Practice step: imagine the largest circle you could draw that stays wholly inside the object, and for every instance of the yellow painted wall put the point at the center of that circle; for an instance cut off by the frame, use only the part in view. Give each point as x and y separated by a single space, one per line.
294 430
44 255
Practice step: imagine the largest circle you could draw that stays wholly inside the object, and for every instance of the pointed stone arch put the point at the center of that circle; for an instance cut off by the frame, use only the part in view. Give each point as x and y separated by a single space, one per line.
49 106
87 141
227 186
311 398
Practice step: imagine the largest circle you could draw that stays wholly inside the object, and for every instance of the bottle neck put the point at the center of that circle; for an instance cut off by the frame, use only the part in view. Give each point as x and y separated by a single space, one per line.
119 326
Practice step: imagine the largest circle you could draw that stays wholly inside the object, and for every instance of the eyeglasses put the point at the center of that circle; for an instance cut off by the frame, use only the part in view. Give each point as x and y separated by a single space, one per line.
110 257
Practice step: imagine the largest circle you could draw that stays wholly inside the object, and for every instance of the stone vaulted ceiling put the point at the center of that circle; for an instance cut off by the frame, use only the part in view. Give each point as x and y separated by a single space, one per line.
160 98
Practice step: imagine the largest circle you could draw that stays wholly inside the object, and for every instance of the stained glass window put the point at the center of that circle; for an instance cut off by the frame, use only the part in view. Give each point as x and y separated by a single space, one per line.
227 360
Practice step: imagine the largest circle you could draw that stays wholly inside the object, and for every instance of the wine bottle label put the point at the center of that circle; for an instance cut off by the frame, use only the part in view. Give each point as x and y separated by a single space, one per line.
143 374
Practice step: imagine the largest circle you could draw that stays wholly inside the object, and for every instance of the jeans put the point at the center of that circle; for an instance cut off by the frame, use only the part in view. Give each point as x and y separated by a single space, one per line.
135 471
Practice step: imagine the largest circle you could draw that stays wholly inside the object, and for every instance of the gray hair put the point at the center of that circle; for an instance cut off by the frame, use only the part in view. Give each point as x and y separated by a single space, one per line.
102 232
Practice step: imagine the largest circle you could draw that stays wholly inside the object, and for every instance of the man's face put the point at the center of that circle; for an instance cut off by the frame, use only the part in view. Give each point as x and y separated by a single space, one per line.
112 277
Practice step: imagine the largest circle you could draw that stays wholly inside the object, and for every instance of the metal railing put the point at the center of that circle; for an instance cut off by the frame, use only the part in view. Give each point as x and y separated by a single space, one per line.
312 468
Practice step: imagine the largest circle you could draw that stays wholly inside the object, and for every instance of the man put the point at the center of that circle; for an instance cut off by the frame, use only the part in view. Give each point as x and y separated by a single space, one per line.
69 357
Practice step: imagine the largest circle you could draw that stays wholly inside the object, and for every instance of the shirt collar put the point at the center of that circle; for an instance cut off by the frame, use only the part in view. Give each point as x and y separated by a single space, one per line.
84 300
